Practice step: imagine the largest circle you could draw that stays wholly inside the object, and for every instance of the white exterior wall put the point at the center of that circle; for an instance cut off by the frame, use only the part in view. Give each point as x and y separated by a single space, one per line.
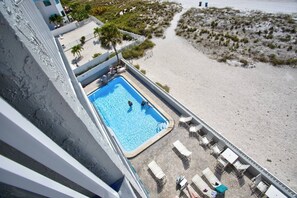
33 80
47 11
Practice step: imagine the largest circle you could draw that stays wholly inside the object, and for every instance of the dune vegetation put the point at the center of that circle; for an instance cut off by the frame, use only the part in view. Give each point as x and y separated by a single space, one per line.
240 37
148 18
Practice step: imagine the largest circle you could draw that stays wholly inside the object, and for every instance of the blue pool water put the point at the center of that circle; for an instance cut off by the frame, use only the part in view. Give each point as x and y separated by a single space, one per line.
131 125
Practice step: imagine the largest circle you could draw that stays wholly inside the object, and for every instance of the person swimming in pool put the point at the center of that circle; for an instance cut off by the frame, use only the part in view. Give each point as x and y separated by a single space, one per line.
143 103
130 103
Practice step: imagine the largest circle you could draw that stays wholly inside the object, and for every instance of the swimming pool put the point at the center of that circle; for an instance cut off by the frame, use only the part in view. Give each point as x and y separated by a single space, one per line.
133 126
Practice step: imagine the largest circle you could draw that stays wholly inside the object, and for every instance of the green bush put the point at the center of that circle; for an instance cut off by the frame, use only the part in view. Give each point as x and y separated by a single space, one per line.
127 37
164 87
138 51
292 61
244 40
96 55
82 40
269 36
271 46
244 62
287 38
143 71
224 58
137 66
290 48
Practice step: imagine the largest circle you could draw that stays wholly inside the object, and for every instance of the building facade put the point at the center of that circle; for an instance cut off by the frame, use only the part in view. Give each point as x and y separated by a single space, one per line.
50 144
48 8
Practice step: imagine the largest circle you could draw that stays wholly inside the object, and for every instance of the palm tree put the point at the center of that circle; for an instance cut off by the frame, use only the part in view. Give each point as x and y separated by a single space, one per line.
56 19
109 36
75 50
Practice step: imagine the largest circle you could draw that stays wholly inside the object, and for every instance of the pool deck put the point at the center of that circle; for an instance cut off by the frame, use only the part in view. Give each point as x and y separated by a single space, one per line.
172 165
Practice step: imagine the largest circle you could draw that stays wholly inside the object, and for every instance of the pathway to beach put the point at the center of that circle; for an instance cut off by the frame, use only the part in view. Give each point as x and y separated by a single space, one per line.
254 108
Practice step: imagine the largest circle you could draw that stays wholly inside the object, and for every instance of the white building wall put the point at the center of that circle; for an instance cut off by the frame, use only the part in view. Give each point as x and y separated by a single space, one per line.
47 11
33 80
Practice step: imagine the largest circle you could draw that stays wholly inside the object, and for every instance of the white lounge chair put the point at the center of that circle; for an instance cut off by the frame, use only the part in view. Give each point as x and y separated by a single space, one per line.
182 149
185 120
206 139
240 168
121 70
195 128
221 164
157 171
258 184
212 179
217 148
203 187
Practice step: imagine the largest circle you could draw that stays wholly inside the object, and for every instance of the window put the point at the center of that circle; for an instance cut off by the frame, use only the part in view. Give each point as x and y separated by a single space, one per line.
57 1
63 14
47 2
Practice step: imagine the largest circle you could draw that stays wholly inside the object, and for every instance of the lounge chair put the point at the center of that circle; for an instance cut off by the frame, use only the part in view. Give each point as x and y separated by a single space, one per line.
185 120
221 164
258 184
158 173
217 148
195 128
203 187
190 192
121 70
240 168
212 179
206 139
182 149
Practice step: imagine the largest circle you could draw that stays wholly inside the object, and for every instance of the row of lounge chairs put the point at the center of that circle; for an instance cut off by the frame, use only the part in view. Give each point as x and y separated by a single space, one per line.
204 140
202 186
216 148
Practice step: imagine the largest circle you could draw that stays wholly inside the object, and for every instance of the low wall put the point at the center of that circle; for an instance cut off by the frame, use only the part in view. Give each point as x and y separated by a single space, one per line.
254 169
81 69
97 71
66 28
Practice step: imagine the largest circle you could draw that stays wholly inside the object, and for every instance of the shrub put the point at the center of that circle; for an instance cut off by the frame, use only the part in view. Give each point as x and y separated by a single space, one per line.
88 7
262 59
137 51
127 37
82 40
276 61
164 87
244 62
286 38
96 55
224 58
289 48
203 31
269 36
271 46
244 40
143 71
292 61
98 10
137 66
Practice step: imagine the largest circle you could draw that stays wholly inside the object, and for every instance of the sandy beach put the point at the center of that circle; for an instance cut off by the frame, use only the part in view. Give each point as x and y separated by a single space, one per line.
272 6
256 109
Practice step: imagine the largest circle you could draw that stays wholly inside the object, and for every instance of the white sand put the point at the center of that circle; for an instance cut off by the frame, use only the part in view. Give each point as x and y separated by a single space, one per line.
256 109
273 6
